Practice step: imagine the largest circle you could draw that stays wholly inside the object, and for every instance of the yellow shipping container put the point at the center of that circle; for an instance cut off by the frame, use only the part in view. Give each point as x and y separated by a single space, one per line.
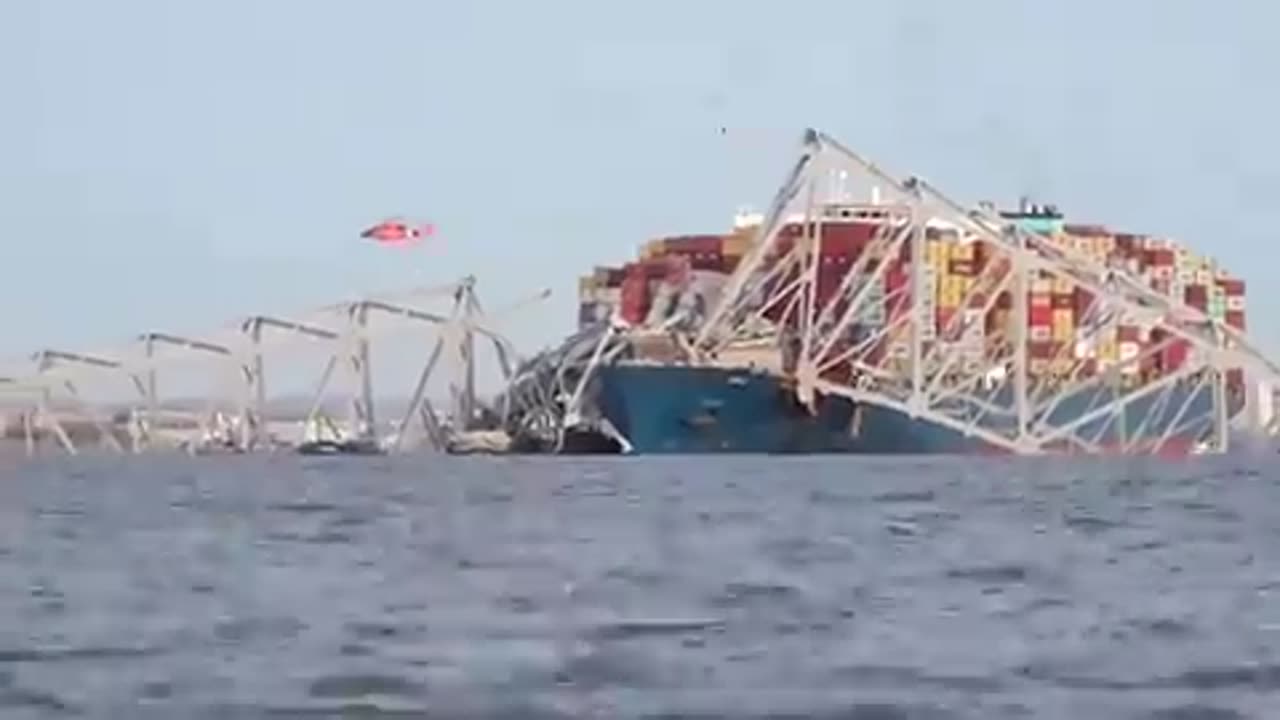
1062 285
961 251
1062 366
951 297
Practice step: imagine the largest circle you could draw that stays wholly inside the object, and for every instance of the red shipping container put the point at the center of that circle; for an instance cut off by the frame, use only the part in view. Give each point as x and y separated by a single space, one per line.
714 263
1231 286
1041 316
635 298
1235 318
895 278
1063 301
846 238
1196 296
1082 230
945 315
1040 349
904 253
1041 300
694 244
1175 355
1126 243
1083 300
1127 333
1164 257
981 253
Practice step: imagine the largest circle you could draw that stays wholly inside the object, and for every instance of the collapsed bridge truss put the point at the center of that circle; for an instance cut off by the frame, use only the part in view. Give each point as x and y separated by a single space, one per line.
54 396
986 392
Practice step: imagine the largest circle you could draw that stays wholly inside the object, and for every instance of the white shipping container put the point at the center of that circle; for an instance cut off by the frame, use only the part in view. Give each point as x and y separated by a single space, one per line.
1129 350
1041 333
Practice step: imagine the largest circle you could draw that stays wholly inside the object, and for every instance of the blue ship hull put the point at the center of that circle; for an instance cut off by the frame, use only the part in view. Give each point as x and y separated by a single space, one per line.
681 409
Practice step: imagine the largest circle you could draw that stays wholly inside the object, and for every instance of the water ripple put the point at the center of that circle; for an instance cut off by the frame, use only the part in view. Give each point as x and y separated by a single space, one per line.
683 587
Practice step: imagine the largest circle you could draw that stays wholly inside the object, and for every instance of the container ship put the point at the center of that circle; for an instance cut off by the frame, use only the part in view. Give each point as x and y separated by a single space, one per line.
749 405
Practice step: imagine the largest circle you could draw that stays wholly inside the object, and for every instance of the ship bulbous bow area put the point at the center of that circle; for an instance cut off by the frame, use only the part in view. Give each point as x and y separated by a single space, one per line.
998 331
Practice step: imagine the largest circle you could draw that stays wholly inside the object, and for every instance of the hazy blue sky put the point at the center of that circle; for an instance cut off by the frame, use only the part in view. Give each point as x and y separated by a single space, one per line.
172 164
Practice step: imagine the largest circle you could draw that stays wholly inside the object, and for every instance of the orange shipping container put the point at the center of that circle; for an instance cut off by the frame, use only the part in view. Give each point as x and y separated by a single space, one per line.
737 245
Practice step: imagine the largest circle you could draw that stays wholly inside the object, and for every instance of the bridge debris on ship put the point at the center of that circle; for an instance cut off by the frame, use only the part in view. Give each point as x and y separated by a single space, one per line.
900 321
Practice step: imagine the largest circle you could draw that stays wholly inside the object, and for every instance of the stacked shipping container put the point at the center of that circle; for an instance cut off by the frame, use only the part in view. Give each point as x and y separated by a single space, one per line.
1057 311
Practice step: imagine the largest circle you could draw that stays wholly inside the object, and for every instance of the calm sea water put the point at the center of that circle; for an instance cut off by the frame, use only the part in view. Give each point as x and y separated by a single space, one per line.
741 587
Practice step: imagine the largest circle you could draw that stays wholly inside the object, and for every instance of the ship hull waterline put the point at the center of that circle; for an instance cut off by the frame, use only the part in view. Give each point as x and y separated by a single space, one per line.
666 409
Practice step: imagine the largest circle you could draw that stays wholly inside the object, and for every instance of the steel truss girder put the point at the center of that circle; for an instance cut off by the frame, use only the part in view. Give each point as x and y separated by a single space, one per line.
552 391
989 393
241 355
